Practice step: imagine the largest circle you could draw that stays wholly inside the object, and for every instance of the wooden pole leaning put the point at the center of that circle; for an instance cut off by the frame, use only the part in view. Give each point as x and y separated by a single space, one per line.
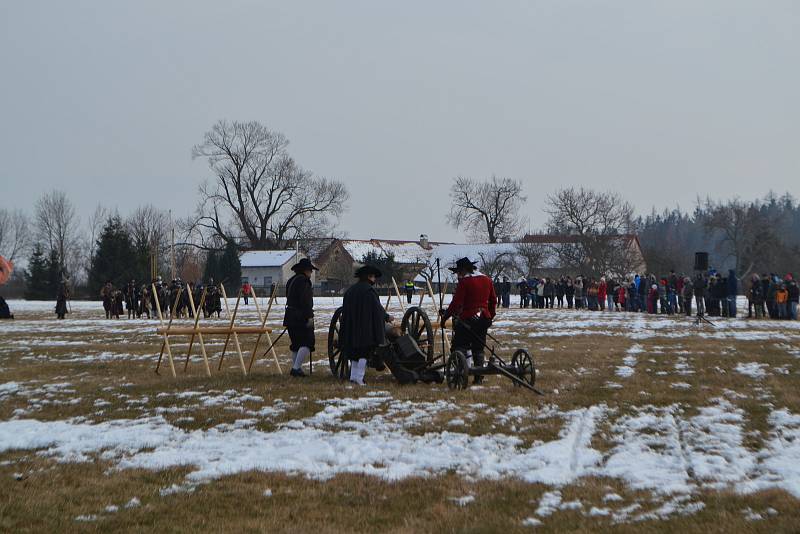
263 325
199 334
266 332
235 334
165 344
399 298
196 323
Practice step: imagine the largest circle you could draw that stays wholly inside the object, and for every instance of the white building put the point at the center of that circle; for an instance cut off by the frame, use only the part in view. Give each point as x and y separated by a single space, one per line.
262 268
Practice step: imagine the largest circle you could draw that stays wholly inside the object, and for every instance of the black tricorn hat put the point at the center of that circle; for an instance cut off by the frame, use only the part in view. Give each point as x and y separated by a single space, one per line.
304 265
464 264
366 270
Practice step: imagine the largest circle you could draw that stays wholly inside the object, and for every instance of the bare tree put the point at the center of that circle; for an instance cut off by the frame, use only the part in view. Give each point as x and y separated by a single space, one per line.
531 256
259 196
14 234
57 227
596 227
97 221
744 233
487 210
493 263
149 228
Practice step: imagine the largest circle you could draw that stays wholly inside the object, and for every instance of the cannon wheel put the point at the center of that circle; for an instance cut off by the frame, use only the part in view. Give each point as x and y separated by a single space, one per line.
456 371
340 366
524 368
417 324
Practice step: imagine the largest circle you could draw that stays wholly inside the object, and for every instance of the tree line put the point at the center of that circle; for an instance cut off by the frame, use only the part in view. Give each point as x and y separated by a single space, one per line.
748 236
259 197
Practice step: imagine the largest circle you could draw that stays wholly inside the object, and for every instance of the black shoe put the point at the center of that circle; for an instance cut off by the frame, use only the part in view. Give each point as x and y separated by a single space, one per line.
478 379
297 372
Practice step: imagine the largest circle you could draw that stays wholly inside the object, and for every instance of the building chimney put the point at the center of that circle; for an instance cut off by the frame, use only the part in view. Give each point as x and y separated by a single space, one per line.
423 242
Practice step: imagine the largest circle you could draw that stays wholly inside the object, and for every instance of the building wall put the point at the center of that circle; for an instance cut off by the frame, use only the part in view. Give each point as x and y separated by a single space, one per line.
273 275
260 277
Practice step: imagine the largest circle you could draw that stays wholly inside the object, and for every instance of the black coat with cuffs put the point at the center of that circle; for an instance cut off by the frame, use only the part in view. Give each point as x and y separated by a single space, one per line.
298 318
299 301
363 321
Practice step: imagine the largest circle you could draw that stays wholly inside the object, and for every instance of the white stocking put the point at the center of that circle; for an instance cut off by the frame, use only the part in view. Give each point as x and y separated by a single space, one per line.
357 370
300 357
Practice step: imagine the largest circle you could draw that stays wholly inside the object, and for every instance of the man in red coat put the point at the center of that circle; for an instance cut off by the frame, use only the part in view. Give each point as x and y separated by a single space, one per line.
474 304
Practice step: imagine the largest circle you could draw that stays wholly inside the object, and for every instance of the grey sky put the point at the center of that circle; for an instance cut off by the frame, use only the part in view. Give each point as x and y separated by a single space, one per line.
659 100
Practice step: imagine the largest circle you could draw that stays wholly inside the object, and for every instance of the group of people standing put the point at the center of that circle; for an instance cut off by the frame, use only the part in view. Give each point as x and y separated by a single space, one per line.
711 293
770 296
173 298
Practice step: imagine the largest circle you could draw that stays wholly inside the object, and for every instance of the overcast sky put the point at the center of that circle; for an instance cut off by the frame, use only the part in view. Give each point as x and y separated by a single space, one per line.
662 101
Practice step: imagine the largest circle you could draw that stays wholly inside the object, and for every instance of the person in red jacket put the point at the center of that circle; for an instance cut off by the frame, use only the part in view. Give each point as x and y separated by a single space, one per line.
602 293
246 288
474 305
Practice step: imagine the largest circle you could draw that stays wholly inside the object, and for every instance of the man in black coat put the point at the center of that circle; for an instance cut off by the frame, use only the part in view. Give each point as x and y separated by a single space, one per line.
299 316
131 298
363 322
61 299
700 284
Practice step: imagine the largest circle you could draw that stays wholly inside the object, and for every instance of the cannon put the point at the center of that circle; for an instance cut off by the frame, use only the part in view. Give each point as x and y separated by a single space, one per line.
521 371
409 356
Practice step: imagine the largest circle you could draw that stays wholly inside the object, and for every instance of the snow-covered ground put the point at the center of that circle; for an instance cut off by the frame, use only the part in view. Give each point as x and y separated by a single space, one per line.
673 451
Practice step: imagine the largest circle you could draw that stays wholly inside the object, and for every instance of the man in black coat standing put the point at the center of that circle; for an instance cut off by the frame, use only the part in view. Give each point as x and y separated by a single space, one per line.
363 322
299 316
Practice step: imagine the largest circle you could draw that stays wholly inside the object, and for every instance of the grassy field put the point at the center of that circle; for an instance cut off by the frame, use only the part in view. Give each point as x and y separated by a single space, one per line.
647 424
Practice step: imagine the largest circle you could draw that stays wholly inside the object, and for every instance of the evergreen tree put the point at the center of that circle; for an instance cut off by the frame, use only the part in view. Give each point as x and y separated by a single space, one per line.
386 263
230 268
37 276
211 269
114 258
55 272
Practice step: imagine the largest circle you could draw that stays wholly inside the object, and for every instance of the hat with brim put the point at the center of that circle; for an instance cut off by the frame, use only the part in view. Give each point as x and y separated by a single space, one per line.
303 266
366 270
464 264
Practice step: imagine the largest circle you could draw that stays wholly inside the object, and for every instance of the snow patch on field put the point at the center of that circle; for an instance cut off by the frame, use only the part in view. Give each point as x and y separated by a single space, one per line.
753 369
624 371
380 447
660 450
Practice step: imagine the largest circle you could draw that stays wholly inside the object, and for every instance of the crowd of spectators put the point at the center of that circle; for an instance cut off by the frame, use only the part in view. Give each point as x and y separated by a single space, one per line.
711 293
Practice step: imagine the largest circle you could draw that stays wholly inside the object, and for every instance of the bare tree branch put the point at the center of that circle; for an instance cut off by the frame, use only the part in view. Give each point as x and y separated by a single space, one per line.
259 197
15 235
57 227
597 227
487 210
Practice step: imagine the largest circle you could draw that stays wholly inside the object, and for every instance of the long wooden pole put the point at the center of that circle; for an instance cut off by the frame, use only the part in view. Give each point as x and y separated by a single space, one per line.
230 325
235 334
269 338
196 322
439 322
166 335
199 335
399 298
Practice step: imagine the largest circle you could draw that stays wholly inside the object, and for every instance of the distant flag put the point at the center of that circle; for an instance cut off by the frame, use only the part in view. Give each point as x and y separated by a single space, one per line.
6 267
